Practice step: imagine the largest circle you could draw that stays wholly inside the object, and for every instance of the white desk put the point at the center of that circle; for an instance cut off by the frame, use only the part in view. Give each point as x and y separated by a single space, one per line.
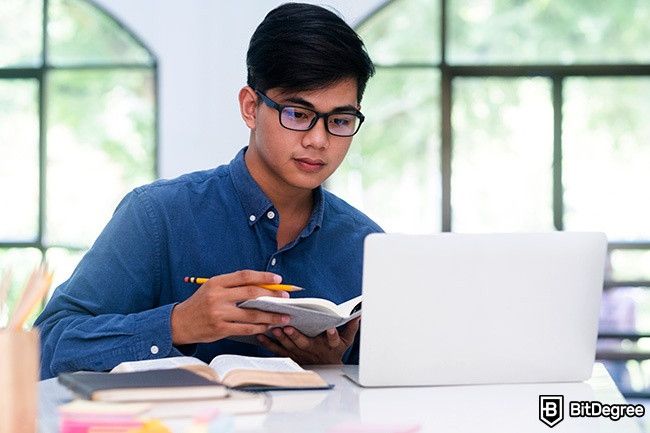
486 408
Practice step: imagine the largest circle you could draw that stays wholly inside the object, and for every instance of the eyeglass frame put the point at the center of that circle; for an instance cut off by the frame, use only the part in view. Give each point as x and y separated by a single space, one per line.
318 115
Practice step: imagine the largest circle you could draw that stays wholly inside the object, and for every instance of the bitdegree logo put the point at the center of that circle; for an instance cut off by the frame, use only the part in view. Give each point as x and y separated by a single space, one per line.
551 410
595 409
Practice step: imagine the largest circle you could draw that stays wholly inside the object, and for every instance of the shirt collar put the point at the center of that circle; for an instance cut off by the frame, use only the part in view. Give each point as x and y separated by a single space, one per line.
316 218
256 203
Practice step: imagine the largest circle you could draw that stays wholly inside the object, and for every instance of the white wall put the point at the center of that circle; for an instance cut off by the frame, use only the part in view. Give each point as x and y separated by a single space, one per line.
201 48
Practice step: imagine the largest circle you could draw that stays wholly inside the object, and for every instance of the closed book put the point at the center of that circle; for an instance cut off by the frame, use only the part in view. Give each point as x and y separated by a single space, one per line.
151 385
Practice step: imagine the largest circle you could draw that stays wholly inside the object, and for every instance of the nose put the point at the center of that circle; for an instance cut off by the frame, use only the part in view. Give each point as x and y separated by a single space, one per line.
317 136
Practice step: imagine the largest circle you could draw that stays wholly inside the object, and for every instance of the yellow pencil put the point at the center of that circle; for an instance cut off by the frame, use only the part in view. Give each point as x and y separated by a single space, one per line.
281 287
277 287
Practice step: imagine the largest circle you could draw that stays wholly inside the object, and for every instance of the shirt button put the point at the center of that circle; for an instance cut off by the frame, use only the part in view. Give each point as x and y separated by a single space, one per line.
154 350
252 218
271 214
273 261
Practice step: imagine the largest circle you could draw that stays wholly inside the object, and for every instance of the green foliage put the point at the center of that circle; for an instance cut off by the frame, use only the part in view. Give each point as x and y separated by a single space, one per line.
20 39
110 110
401 120
100 120
490 116
502 154
606 141
80 33
403 31
548 31
21 261
19 159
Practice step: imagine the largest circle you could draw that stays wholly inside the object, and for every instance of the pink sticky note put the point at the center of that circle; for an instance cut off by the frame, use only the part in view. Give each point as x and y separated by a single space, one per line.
87 424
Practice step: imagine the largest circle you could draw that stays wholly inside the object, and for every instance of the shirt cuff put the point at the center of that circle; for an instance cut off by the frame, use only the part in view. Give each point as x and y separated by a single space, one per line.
154 333
155 336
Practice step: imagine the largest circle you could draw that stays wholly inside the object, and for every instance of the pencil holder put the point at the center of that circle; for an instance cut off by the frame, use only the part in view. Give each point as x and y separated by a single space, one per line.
19 374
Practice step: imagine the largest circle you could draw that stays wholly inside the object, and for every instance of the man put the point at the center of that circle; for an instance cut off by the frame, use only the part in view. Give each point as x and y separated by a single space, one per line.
264 218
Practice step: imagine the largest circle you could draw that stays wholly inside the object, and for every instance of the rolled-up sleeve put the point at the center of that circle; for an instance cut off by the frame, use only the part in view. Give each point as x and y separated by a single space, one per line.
109 311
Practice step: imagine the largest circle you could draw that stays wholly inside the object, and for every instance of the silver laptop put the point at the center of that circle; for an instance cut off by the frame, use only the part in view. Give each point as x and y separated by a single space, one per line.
453 309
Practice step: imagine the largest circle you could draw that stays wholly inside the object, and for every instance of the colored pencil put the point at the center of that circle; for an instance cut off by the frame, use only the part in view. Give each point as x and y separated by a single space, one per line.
276 287
36 289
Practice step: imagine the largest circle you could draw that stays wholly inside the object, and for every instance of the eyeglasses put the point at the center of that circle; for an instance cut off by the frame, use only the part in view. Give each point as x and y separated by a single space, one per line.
339 123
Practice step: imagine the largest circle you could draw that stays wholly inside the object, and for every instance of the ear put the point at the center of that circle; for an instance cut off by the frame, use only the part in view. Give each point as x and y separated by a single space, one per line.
248 106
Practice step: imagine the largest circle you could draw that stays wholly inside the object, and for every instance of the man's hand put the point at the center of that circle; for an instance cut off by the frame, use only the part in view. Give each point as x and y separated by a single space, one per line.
211 313
327 348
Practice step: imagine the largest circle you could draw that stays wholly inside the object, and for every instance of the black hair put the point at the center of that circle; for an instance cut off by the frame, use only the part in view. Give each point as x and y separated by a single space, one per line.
300 46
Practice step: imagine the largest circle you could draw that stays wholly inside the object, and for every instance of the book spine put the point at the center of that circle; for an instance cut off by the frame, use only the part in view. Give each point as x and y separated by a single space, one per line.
68 380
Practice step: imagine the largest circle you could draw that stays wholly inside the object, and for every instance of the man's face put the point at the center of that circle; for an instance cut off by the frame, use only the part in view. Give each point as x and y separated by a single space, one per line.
282 158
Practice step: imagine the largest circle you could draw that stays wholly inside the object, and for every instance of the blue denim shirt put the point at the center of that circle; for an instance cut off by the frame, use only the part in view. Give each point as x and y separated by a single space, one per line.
117 304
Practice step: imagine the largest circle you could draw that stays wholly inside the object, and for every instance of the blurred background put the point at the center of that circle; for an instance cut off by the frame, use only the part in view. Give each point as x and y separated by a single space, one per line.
484 115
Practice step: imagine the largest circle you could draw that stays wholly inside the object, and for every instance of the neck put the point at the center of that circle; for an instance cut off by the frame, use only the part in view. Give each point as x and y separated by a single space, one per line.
287 199
294 205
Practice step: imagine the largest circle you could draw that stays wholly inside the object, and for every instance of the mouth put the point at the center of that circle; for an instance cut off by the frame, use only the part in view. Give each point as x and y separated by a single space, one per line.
309 165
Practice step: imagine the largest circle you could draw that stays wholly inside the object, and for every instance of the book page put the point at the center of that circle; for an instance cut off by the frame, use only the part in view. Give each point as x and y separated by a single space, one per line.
311 316
345 309
317 304
223 364
157 364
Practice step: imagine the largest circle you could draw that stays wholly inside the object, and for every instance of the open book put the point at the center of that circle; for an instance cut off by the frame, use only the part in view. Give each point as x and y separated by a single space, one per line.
311 316
236 371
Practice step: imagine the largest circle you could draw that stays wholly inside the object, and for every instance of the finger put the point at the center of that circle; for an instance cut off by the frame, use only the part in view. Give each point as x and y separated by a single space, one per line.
243 293
350 330
246 277
333 339
247 315
299 355
300 340
284 340
233 328
273 347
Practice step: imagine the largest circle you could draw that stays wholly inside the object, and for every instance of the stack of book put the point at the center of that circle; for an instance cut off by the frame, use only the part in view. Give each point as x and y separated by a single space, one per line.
225 384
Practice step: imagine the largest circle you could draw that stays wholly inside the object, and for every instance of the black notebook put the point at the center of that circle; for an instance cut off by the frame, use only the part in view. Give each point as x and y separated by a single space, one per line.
152 385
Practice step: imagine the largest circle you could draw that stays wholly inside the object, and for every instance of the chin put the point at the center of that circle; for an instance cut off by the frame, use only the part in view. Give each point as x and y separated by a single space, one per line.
307 182
306 185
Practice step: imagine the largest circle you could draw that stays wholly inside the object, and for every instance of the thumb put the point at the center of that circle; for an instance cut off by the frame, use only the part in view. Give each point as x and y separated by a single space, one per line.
348 333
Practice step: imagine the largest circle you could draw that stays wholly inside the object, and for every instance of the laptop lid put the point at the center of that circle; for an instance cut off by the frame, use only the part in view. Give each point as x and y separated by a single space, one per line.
480 308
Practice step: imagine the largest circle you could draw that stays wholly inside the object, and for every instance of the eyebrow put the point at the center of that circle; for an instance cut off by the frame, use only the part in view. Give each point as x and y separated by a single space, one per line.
304 102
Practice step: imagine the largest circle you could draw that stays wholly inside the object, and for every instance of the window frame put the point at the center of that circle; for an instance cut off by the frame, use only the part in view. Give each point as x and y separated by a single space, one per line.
40 73
556 73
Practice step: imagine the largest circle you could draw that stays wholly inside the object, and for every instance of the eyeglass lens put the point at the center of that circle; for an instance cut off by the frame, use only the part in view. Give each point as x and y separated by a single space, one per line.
300 119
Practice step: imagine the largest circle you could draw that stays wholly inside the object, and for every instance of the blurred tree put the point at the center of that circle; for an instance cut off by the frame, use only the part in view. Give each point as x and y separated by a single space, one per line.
547 106
95 138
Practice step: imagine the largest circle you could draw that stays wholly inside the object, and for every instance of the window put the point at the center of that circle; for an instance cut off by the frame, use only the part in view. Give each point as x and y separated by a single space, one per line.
512 115
77 129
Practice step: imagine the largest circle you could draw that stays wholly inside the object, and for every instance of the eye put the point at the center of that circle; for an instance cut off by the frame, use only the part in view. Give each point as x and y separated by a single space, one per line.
296 114
342 120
